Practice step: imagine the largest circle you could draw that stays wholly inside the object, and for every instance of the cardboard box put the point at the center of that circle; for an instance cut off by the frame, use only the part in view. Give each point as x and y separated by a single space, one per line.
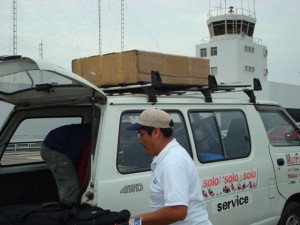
135 66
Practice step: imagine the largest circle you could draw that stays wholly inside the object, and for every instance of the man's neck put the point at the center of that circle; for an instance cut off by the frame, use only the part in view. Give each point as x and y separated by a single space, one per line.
164 143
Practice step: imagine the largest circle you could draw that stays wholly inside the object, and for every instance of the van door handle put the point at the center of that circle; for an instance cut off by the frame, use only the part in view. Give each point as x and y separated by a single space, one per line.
280 162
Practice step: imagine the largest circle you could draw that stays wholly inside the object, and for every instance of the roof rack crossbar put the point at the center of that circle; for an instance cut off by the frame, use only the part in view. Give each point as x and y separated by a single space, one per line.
9 57
257 85
251 95
155 78
156 86
207 95
150 91
212 82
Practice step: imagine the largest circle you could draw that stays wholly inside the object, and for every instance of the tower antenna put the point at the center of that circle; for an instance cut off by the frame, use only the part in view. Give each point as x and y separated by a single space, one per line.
41 57
99 18
122 25
41 49
14 27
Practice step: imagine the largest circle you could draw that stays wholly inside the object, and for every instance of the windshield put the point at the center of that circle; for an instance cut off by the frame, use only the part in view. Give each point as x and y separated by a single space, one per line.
29 79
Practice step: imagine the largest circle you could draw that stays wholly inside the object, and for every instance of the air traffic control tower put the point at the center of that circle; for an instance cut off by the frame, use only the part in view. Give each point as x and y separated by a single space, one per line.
235 54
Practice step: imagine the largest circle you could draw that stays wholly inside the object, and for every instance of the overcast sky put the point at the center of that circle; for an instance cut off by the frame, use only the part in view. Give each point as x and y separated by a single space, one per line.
68 29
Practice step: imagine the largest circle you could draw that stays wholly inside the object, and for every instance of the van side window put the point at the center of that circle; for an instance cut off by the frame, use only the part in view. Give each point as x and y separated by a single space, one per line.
25 144
131 156
220 135
280 130
237 140
180 132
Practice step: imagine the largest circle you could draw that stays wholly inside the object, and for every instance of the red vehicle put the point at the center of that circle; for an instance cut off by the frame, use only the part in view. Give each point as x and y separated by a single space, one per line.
283 133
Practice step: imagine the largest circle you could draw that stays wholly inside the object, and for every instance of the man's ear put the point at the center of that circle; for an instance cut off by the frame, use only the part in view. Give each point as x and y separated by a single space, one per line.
156 131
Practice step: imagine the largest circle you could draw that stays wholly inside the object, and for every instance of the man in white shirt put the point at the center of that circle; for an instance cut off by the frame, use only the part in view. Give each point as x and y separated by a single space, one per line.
175 188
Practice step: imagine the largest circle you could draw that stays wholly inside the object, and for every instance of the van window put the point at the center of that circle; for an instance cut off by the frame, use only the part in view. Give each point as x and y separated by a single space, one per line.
25 144
220 135
280 129
131 156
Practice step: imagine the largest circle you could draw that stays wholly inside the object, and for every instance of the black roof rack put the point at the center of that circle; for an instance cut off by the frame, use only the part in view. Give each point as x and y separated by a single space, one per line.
9 57
157 87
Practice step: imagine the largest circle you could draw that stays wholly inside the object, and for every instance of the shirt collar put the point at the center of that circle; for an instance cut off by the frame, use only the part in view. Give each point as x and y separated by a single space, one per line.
157 159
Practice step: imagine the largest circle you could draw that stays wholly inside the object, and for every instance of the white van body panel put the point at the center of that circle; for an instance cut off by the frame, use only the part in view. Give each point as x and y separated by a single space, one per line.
263 200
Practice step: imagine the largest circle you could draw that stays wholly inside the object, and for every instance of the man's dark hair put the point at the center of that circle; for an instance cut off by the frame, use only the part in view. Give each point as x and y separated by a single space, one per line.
167 132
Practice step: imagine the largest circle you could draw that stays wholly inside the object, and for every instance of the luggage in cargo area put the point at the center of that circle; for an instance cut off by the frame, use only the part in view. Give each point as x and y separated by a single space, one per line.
135 66
60 214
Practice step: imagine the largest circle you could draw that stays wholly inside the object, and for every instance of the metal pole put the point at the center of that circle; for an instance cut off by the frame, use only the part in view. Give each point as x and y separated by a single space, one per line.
99 14
14 27
122 25
41 49
41 57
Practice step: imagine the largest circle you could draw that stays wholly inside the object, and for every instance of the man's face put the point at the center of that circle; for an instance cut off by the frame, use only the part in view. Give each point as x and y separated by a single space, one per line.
148 141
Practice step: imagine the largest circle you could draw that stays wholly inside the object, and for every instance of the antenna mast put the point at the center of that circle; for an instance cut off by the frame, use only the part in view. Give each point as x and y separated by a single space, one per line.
41 49
41 57
99 15
122 25
14 27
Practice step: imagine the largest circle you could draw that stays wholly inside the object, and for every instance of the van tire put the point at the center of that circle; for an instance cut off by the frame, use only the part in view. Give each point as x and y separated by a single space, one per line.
291 214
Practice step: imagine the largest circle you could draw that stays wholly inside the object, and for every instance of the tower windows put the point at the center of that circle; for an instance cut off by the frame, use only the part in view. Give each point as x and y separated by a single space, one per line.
265 52
219 28
232 26
248 28
214 70
213 51
248 49
250 68
203 52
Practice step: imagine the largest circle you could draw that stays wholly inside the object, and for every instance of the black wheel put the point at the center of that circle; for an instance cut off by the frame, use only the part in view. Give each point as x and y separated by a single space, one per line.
291 214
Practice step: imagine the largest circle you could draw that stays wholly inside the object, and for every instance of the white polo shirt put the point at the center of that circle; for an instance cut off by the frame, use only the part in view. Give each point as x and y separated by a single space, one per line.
175 181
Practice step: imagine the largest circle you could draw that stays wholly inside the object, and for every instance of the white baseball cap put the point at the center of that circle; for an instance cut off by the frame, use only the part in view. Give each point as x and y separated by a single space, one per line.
152 118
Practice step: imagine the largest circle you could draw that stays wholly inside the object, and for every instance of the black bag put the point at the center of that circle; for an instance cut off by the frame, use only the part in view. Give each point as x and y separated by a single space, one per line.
59 214
92 215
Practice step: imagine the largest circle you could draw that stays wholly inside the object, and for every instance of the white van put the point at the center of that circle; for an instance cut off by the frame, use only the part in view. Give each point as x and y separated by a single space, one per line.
249 166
